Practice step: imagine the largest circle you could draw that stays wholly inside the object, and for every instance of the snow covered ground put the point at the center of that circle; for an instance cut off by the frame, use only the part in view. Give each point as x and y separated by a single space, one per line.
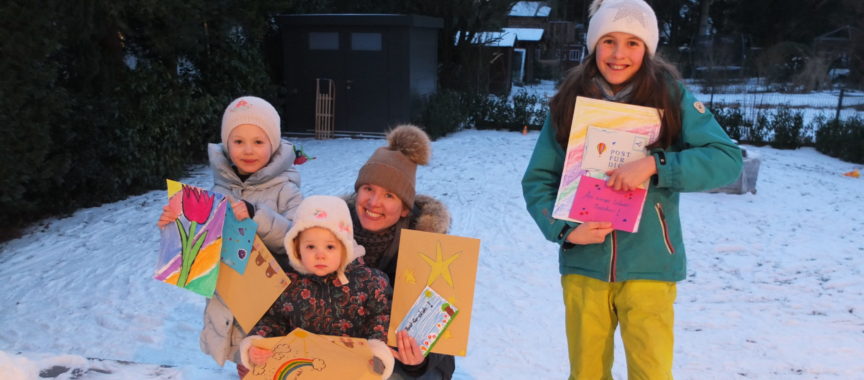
774 290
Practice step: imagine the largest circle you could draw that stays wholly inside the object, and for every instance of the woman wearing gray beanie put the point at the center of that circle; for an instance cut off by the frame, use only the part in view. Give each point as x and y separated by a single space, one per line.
384 202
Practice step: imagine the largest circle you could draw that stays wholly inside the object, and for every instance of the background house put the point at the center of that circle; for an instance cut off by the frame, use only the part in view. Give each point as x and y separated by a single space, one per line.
378 65
561 45
837 47
526 51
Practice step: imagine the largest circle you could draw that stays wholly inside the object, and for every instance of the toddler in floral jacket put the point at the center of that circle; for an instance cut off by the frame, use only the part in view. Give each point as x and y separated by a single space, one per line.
330 293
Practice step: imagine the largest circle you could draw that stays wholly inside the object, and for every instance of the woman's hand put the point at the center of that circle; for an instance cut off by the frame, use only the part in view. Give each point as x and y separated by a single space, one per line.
409 351
589 233
632 174
168 216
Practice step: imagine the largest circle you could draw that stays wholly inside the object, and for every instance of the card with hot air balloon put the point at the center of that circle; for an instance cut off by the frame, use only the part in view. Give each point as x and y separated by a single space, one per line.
613 116
190 248
607 149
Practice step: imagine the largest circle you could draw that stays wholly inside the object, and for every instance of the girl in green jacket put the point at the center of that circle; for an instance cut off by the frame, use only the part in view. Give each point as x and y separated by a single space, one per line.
610 277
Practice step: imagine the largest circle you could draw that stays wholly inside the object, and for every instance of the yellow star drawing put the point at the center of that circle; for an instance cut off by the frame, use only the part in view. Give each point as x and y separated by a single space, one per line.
440 267
409 277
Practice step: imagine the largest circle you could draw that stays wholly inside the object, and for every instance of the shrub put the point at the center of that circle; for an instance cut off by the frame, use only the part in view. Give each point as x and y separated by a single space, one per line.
441 113
449 111
841 139
732 121
759 131
788 129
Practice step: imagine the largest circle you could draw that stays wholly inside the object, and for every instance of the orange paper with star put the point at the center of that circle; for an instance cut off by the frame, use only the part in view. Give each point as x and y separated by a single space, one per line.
448 265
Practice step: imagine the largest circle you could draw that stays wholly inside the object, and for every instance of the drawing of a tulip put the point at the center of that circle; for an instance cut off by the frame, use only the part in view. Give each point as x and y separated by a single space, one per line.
197 204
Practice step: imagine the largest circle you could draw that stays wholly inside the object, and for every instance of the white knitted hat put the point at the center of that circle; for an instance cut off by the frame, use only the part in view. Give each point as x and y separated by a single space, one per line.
327 212
629 16
255 111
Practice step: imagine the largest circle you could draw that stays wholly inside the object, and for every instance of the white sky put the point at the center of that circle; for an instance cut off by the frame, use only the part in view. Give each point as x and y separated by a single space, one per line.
774 290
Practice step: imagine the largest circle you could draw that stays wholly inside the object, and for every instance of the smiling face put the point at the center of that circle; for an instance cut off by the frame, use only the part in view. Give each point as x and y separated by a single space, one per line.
248 148
320 251
619 57
377 208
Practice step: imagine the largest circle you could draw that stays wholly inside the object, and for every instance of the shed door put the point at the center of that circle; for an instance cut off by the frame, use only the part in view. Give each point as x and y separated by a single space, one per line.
366 105
356 59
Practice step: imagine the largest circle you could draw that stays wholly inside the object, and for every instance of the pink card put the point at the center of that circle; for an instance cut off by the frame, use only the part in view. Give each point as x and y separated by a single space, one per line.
596 202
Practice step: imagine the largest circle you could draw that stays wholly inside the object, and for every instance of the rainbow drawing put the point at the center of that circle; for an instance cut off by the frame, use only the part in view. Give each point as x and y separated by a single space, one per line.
290 366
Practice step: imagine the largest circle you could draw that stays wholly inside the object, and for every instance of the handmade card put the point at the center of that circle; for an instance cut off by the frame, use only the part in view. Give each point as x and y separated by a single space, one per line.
587 112
608 149
249 295
596 202
237 238
445 263
307 356
189 251
428 318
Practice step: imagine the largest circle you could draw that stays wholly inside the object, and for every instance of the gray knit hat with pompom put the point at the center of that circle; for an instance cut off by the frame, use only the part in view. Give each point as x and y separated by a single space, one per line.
394 167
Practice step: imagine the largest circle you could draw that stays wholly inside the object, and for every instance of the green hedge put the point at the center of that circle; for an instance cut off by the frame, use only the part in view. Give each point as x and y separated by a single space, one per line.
784 128
99 103
843 139
449 111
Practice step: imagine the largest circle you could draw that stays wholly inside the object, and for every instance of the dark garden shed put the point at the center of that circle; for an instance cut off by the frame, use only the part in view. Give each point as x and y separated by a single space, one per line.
373 67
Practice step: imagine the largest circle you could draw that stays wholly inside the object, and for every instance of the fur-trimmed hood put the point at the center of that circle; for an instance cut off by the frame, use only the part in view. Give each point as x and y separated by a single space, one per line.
432 215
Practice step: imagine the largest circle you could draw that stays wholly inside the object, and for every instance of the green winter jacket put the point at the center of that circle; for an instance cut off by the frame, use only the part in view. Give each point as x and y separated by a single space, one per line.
702 159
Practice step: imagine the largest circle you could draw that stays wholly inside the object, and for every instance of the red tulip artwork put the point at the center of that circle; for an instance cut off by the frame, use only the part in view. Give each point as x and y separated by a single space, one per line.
197 205
190 251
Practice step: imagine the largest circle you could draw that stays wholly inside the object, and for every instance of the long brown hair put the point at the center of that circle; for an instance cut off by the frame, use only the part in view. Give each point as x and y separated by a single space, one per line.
654 85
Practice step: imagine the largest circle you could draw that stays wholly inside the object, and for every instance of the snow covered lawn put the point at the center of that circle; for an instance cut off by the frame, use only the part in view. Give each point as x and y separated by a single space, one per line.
774 291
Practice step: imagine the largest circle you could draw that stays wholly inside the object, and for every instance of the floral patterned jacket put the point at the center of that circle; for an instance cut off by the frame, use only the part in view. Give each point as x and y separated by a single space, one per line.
322 305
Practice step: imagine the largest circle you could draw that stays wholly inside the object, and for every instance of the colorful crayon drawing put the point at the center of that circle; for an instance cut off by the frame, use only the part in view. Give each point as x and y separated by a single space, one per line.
587 112
190 251
308 356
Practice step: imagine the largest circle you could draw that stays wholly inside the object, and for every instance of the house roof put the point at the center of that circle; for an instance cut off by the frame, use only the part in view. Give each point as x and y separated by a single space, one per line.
492 39
507 37
526 34
843 33
530 9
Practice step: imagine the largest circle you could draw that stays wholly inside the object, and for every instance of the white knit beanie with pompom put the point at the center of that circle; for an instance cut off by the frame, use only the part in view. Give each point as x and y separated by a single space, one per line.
394 167
629 16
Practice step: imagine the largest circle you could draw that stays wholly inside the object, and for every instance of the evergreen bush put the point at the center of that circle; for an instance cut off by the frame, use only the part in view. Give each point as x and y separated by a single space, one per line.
732 120
111 102
788 129
842 139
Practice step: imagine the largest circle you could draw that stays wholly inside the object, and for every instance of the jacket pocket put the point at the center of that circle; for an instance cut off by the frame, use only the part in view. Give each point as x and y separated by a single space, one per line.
664 228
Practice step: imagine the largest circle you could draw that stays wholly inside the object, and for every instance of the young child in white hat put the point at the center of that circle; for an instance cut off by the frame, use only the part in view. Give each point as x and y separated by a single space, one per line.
330 293
254 168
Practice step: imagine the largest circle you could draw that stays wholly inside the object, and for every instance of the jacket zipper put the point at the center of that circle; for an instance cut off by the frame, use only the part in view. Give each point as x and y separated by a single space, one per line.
664 228
613 258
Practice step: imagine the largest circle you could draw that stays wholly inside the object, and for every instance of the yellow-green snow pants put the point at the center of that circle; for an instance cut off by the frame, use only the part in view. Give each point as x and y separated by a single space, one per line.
593 309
